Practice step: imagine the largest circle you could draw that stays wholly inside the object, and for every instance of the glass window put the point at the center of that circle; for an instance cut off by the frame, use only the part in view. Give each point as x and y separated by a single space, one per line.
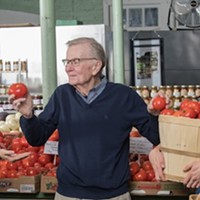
124 17
135 17
151 16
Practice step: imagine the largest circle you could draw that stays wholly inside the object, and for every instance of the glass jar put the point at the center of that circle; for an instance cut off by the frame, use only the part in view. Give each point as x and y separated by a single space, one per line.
37 99
169 91
23 66
176 102
7 66
197 91
15 66
183 90
162 89
3 90
1 65
38 109
190 92
138 90
176 91
154 91
145 92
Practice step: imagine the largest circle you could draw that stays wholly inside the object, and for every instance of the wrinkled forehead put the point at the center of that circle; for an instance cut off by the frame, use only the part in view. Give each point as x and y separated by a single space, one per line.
78 50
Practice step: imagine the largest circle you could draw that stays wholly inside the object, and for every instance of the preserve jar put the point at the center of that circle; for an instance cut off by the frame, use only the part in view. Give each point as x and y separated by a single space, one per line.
154 91
190 92
176 91
145 91
183 90
169 91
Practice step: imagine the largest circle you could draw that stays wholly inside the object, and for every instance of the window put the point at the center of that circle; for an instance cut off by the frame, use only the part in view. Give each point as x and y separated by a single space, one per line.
139 14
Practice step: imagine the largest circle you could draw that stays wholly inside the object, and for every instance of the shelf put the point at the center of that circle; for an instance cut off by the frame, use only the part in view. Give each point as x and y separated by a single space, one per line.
13 72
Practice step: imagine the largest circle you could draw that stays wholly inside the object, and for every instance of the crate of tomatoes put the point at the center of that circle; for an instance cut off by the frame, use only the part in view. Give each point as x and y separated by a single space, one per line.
180 137
24 176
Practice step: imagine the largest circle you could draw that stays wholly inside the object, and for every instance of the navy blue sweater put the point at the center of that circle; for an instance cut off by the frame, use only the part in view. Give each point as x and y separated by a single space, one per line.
94 138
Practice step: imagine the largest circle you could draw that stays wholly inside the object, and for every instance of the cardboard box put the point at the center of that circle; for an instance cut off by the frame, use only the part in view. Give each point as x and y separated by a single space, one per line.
24 184
158 188
48 184
180 143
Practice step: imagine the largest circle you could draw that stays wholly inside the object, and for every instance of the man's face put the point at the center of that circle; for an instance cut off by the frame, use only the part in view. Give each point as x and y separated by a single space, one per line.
80 65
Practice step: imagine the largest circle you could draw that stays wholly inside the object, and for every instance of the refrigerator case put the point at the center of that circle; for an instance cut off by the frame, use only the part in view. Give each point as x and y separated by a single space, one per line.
24 44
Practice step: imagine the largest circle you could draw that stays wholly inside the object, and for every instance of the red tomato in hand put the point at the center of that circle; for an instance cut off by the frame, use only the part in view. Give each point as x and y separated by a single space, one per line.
18 89
159 103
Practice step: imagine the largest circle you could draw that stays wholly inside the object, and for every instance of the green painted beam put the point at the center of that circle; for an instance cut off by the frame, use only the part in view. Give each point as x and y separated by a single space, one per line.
48 42
118 44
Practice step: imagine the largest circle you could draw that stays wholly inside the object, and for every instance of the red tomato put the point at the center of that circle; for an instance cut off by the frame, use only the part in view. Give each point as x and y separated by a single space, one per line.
189 112
21 172
32 149
134 168
184 104
44 159
167 111
23 141
31 171
54 136
12 173
49 166
16 148
12 165
27 162
18 89
150 175
140 176
146 165
134 133
178 113
3 173
159 103
195 106
33 156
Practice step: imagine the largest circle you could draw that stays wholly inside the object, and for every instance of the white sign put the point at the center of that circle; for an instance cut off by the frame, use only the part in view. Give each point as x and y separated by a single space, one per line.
51 147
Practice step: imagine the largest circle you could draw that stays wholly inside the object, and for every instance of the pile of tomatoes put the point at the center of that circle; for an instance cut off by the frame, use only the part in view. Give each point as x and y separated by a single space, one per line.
188 108
36 163
141 169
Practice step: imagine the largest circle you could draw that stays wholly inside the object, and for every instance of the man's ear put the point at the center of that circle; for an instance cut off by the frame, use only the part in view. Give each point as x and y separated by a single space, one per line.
97 67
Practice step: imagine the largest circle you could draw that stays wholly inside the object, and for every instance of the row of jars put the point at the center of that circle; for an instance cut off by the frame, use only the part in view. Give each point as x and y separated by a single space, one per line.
176 93
37 103
8 66
168 90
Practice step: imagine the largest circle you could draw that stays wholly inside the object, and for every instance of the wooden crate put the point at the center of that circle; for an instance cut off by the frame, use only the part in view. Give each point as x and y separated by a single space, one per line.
180 143
194 197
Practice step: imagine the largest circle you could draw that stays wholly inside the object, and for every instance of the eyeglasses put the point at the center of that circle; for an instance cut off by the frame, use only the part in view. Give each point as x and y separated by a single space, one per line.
75 61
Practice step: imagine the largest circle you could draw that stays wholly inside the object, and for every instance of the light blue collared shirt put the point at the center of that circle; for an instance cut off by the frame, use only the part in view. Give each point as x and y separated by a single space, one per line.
95 92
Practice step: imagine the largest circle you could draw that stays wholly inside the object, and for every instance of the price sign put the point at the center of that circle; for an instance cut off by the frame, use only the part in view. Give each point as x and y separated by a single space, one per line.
51 147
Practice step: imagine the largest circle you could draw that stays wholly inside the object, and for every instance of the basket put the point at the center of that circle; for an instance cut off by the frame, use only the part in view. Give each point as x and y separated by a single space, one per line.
194 197
180 143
